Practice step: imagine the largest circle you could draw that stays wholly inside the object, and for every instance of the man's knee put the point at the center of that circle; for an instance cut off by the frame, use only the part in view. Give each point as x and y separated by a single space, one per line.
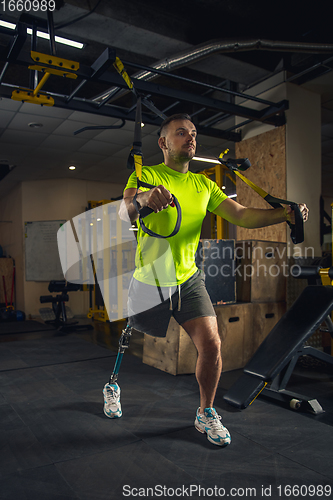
211 345
204 333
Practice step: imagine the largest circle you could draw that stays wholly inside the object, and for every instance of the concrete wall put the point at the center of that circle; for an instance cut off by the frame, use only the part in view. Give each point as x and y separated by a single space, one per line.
303 157
303 151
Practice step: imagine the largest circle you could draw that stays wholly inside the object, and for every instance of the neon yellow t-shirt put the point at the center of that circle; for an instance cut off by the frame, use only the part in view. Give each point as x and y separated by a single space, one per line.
171 261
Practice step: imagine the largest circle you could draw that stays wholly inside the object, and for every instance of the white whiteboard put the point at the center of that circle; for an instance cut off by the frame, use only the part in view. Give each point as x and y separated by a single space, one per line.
42 262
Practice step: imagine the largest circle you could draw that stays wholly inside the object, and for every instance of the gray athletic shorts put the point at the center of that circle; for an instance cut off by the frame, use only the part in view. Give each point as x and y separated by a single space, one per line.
184 302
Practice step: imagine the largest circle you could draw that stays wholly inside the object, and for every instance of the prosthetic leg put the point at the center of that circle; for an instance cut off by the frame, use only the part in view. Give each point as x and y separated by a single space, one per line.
123 345
111 391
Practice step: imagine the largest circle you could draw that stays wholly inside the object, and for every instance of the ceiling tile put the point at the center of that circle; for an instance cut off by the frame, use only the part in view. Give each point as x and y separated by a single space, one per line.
99 147
118 136
13 153
67 143
85 160
92 118
50 158
45 111
68 127
20 137
21 122
123 153
9 104
112 163
150 129
150 144
5 118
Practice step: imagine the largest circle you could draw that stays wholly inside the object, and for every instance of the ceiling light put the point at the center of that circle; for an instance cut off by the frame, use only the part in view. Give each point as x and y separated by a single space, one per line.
59 39
42 34
207 160
232 196
35 125
11 26
72 167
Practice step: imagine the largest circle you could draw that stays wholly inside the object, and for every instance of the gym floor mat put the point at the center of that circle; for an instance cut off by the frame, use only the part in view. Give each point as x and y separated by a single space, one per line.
27 326
57 443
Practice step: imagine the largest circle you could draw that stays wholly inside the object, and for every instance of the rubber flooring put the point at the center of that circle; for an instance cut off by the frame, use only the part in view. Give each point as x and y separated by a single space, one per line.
56 442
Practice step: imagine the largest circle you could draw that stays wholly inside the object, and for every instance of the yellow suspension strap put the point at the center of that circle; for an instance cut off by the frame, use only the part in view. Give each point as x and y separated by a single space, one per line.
121 70
135 158
297 229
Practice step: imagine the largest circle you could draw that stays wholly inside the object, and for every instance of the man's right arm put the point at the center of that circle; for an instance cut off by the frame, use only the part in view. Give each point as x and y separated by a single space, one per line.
156 198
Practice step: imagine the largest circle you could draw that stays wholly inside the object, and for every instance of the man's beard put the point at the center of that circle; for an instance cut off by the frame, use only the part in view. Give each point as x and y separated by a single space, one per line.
182 155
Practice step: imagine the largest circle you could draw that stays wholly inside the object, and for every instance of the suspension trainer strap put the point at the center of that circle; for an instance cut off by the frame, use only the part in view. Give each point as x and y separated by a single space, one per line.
297 229
136 153
135 158
121 70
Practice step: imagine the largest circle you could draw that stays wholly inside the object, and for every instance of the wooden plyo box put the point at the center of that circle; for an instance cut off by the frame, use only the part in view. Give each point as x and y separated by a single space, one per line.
216 258
242 328
265 317
261 271
175 353
236 332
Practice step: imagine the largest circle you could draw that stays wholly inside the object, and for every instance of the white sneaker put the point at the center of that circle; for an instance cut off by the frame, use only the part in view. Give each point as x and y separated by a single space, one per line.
211 423
112 406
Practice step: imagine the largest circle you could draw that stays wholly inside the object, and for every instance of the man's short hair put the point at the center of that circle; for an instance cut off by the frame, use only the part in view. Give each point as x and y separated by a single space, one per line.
178 116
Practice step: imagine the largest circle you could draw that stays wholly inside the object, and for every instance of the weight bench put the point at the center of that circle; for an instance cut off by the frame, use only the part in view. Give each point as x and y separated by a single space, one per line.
57 316
277 356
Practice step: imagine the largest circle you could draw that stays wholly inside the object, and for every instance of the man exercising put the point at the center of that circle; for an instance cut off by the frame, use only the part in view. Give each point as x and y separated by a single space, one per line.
176 280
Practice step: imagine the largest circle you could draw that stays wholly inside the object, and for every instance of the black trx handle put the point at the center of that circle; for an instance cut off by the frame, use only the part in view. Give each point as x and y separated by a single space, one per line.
144 211
297 229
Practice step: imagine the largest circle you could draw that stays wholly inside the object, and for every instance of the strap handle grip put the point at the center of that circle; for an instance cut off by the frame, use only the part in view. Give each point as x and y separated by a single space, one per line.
144 211
297 229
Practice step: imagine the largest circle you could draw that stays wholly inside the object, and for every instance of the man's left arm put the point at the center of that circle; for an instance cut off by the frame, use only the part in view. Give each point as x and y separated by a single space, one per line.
252 218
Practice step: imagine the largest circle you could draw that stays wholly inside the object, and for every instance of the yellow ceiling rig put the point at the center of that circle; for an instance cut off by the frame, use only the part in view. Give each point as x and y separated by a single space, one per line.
48 65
